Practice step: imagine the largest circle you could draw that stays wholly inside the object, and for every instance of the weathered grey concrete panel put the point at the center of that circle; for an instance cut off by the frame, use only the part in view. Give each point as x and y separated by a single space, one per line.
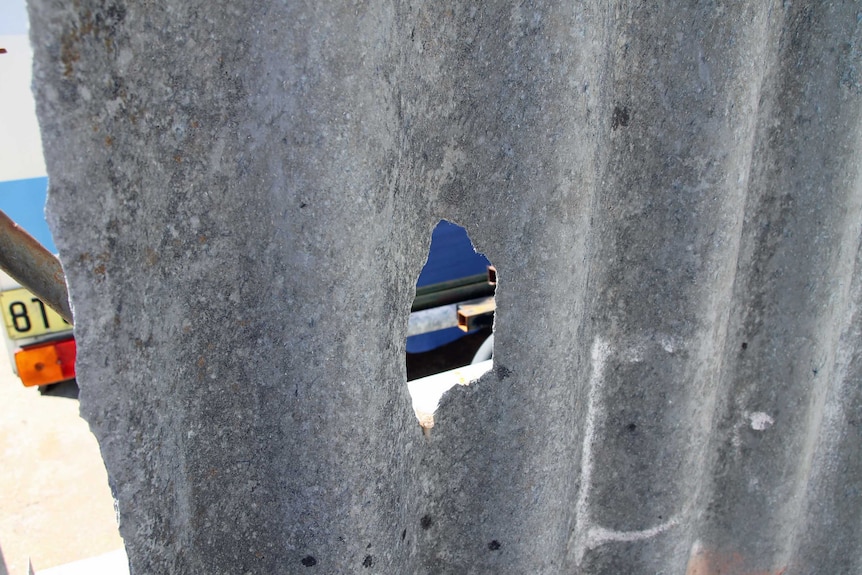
243 197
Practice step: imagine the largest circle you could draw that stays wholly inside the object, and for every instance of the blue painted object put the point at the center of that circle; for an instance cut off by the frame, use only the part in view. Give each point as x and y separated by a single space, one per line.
24 202
451 257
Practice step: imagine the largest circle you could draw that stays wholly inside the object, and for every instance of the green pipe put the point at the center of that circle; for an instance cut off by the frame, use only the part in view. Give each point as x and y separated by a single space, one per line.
451 284
452 295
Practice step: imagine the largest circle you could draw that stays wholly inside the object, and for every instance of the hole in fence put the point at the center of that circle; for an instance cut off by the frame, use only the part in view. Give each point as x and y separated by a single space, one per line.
449 336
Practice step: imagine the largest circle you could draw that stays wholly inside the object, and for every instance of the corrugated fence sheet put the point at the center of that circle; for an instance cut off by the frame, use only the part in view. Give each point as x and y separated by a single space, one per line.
243 195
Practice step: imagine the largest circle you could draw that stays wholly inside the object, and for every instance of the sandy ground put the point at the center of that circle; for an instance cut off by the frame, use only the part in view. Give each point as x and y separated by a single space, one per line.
55 505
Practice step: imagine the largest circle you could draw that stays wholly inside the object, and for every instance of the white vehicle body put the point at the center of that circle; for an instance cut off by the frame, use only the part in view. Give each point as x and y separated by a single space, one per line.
39 342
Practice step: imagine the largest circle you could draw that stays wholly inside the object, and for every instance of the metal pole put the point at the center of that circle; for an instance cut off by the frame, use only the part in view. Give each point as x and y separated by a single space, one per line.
34 267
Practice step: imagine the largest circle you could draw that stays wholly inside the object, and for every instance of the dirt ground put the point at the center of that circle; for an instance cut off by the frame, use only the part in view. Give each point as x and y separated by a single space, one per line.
55 505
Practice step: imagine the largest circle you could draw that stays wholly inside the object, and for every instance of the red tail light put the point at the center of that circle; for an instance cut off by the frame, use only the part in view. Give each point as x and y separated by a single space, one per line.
46 363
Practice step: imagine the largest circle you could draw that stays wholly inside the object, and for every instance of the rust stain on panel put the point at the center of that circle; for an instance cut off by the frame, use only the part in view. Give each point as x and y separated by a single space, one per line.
705 561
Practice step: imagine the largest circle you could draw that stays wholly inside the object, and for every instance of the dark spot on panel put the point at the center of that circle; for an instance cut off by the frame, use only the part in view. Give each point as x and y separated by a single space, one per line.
744 345
309 561
426 522
620 117
494 545
403 534
115 14
503 372
368 546
631 427
368 562
302 205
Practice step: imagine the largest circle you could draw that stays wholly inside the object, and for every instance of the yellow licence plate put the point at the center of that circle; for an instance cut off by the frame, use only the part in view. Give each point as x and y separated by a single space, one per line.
26 316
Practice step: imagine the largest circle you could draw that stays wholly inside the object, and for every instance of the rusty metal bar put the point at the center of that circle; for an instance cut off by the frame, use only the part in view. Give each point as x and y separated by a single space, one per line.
492 275
476 314
33 266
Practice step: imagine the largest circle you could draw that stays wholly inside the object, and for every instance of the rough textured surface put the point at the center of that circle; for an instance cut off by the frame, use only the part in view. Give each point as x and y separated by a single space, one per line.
243 195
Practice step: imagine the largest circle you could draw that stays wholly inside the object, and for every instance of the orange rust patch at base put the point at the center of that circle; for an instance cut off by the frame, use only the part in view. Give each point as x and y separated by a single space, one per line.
705 561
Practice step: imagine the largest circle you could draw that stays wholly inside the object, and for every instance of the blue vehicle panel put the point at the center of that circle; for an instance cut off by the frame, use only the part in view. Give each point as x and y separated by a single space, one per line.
24 202
451 256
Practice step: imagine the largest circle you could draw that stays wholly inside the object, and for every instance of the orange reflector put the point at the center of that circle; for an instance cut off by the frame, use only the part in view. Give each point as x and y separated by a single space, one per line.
46 363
